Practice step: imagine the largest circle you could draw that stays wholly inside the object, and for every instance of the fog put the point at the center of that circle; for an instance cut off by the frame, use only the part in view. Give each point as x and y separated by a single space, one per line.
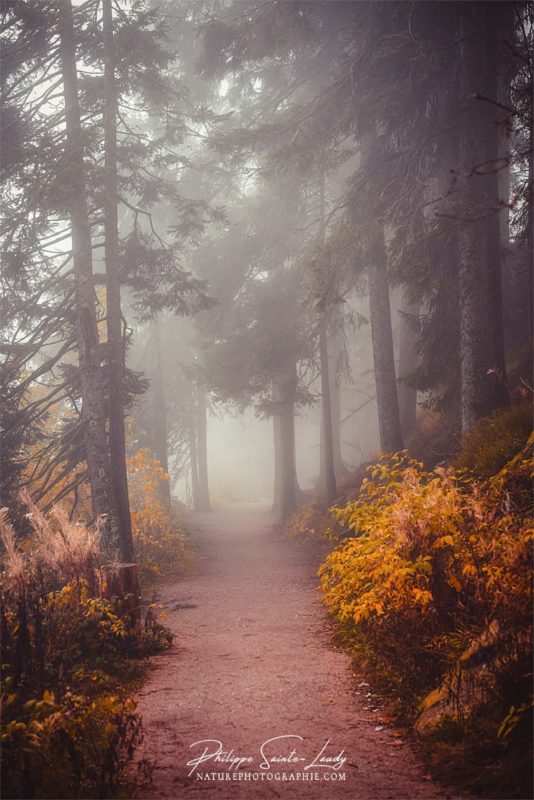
261 247
240 441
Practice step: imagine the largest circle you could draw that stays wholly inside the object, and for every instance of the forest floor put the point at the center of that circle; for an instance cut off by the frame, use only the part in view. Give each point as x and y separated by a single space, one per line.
253 659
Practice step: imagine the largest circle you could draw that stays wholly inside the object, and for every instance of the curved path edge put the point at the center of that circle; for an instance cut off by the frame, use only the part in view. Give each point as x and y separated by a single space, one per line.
254 671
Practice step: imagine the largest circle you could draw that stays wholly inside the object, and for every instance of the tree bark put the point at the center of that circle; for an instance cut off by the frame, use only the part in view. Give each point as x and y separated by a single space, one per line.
334 351
327 467
495 18
202 449
530 240
479 315
277 445
283 395
382 339
335 394
159 417
372 161
193 459
408 360
503 31
447 301
91 378
329 486
288 501
116 344
504 81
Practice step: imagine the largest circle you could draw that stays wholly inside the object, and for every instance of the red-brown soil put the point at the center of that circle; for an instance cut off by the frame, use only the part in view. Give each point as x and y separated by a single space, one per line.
253 659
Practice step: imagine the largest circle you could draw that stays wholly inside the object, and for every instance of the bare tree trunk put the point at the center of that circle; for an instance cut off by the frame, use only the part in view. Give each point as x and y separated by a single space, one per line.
277 445
116 344
408 361
329 485
477 288
91 380
288 500
447 302
193 459
202 449
495 18
283 395
504 31
383 354
372 160
530 239
334 351
335 394
159 434
504 81
327 462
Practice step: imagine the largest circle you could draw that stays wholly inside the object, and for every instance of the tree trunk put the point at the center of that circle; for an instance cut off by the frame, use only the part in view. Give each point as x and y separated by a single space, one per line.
288 500
447 299
202 449
277 450
477 271
504 80
335 394
91 379
329 486
159 417
119 582
495 18
408 361
327 467
372 162
503 30
283 395
528 280
383 354
116 345
530 240
193 459
334 350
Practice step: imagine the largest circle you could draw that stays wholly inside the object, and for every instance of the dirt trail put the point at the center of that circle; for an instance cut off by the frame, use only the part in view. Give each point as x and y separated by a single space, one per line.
252 660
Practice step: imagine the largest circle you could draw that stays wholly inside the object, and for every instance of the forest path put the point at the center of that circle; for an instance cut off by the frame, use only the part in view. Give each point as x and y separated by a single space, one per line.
252 660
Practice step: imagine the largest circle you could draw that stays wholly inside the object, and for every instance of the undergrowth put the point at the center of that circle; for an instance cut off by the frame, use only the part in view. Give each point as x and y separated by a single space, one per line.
432 593
495 439
158 532
70 661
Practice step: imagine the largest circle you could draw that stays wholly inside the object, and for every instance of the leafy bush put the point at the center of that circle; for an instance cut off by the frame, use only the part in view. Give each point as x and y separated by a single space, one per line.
75 746
308 521
496 439
68 659
159 539
437 571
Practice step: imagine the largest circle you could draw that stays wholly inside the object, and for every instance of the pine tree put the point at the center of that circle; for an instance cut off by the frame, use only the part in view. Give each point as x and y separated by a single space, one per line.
93 412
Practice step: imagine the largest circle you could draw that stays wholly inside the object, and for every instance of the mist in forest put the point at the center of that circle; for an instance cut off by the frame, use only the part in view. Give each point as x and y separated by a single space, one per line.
266 279
261 243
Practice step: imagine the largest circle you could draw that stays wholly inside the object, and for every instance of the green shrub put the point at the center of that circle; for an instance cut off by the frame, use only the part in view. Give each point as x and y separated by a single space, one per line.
496 439
71 747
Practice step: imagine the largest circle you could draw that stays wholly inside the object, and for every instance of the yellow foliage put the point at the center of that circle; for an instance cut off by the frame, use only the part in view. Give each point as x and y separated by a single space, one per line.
68 724
158 532
433 558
